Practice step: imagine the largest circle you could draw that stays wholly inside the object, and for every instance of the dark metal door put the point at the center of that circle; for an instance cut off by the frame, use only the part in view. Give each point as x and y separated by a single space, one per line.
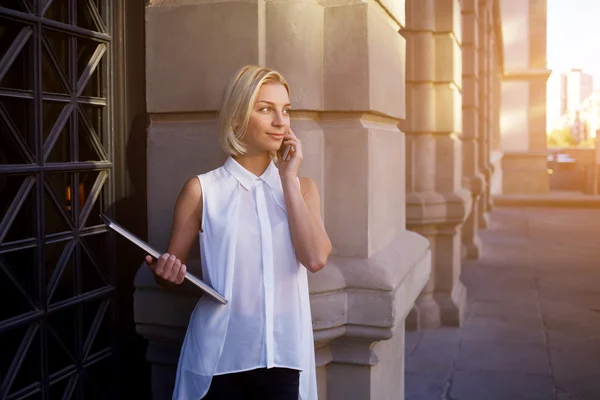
56 281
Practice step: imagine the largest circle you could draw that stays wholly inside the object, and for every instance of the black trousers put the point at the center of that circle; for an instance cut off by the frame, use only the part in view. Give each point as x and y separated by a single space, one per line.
262 383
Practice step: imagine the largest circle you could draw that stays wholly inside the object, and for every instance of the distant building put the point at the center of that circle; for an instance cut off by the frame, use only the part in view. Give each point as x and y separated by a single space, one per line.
563 93
590 114
556 100
579 86
566 94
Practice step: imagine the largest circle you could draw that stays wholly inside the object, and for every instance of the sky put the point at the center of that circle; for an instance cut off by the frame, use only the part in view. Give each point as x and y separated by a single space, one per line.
573 36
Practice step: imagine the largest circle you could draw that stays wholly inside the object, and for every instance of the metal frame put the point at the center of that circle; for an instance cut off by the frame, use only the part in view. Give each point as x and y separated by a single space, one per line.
38 329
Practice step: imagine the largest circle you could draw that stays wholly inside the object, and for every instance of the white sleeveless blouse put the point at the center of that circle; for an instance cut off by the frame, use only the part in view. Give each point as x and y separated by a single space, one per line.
248 256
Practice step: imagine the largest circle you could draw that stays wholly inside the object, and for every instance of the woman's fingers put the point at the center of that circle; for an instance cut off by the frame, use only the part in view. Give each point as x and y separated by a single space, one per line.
175 271
161 265
167 267
181 274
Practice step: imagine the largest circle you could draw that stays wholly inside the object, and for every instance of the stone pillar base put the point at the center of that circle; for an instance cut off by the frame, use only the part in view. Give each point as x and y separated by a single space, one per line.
485 200
484 220
424 315
161 317
453 307
474 247
439 309
375 371
359 328
525 173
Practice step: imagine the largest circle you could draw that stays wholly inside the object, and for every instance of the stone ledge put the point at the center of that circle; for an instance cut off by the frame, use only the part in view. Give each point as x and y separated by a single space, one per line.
570 200
476 184
378 292
526 74
523 154
352 341
430 208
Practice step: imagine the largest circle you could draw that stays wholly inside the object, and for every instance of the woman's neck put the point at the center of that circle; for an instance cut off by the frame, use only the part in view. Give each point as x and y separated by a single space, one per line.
257 164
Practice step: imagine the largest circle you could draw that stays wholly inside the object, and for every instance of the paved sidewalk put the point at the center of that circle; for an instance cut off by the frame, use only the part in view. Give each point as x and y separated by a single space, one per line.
533 326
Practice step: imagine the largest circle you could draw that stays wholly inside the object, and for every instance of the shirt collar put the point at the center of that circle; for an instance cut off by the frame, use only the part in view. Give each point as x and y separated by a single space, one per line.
247 178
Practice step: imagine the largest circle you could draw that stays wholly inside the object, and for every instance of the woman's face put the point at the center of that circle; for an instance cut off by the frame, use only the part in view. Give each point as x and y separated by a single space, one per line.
269 119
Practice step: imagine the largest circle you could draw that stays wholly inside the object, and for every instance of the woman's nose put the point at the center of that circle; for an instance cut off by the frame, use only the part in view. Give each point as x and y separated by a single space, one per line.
279 119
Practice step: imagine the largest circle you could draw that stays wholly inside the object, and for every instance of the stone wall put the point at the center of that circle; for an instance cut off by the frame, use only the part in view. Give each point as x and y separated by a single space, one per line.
345 62
398 105
437 204
523 112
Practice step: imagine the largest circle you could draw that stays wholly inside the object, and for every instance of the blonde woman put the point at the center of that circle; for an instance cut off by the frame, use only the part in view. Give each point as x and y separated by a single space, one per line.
260 231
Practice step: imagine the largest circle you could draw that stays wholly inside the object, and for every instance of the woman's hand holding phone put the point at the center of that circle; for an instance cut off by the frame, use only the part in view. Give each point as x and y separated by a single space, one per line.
290 155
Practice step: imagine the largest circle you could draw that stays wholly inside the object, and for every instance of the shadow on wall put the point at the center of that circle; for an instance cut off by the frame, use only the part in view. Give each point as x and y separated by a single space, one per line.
134 379
131 211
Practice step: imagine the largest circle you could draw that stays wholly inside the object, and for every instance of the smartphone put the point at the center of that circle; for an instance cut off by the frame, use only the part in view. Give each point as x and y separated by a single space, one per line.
285 149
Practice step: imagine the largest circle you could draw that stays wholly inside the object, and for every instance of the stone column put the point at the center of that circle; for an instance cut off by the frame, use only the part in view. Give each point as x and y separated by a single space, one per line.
491 107
496 77
473 179
523 122
340 58
484 109
436 203
496 71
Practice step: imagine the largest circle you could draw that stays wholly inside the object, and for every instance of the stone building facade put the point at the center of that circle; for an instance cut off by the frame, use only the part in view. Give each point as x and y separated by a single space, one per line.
523 109
398 98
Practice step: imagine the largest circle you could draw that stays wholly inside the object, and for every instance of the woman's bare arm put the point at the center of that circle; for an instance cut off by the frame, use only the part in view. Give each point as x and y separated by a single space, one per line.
170 269
311 242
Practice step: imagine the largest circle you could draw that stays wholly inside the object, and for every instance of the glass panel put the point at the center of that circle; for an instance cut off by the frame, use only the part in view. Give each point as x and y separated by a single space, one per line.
101 7
22 264
10 294
23 226
96 120
51 81
66 285
10 151
98 247
32 393
62 335
91 279
58 11
51 110
87 181
61 151
30 369
55 222
93 88
85 51
20 5
84 15
58 388
99 382
59 45
21 117
101 340
87 149
53 252
11 341
61 185
9 186
19 74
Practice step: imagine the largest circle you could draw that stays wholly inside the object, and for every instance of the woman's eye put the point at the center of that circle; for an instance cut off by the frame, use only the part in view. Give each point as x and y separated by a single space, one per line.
286 111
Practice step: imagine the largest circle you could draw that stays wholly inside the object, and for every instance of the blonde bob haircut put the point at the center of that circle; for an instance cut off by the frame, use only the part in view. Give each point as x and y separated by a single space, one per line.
237 105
